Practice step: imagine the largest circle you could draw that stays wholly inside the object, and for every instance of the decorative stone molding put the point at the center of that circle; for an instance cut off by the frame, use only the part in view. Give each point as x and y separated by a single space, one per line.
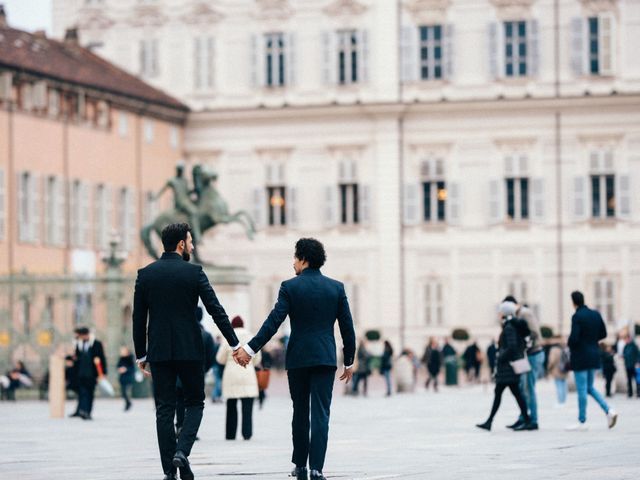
345 8
513 9
427 11
514 143
92 18
273 10
202 14
593 7
147 16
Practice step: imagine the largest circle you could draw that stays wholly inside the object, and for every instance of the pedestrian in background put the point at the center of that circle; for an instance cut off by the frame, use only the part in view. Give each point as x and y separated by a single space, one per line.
608 366
17 377
363 369
126 374
216 370
558 366
492 350
404 372
472 362
263 372
238 383
432 359
631 357
386 364
89 354
587 329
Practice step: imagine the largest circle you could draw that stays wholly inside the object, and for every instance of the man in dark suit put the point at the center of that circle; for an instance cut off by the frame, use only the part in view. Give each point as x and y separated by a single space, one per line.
167 292
587 329
88 352
313 302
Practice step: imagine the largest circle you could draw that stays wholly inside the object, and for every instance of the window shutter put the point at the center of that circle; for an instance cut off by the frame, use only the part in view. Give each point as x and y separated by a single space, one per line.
197 63
291 59
143 57
98 212
509 166
330 206
578 46
6 86
36 208
3 206
623 203
495 50
61 212
496 201
453 203
364 204
291 204
155 65
259 202
533 46
40 95
132 221
73 214
579 198
409 54
606 43
257 61
211 60
22 214
85 227
363 54
537 199
108 191
49 210
329 58
411 211
449 51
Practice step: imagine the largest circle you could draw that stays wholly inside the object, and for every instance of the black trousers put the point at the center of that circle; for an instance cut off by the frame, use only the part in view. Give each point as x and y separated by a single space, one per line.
86 393
311 389
608 377
165 375
232 418
631 379
124 387
515 390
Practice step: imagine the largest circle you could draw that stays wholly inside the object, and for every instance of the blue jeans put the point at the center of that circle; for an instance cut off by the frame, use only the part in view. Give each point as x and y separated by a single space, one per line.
528 383
387 379
561 390
584 386
216 393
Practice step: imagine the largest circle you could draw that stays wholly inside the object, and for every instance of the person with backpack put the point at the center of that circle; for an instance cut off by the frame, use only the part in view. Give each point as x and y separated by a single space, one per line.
511 347
558 367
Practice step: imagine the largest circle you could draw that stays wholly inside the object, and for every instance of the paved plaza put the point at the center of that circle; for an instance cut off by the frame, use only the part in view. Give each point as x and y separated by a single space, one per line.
414 436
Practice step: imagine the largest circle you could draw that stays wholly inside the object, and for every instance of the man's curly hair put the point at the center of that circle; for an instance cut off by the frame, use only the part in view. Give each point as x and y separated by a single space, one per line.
312 251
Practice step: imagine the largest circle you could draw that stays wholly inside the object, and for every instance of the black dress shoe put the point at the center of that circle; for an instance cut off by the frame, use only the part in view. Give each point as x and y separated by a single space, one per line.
485 426
526 427
74 414
316 475
516 425
181 461
300 473
169 476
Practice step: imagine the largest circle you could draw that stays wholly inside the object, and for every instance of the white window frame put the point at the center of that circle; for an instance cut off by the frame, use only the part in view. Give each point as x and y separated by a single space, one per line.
347 46
203 63
348 180
517 169
430 44
433 303
149 57
516 41
277 53
604 298
149 131
123 124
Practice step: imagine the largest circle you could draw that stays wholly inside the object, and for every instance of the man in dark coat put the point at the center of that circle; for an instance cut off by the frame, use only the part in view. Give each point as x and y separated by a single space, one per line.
89 352
631 357
313 302
587 329
167 292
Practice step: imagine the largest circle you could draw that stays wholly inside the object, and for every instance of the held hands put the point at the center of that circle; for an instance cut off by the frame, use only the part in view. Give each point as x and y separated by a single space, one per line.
241 357
143 366
347 374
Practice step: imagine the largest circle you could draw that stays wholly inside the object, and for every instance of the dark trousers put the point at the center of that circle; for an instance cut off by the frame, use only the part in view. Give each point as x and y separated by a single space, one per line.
232 418
179 406
515 390
125 385
631 379
86 392
165 375
608 377
357 378
433 376
311 389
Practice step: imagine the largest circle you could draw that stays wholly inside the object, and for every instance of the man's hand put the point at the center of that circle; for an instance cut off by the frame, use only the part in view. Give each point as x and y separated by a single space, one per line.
241 357
143 366
347 374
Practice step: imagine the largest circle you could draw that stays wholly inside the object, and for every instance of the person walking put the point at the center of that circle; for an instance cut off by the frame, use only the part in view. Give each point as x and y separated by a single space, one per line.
432 359
313 302
15 378
89 354
558 366
216 370
536 357
363 369
631 357
511 347
587 329
608 366
126 374
238 383
167 337
492 351
386 364
471 362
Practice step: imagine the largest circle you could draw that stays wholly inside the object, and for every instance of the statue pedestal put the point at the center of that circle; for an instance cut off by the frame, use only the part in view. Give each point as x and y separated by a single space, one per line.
231 285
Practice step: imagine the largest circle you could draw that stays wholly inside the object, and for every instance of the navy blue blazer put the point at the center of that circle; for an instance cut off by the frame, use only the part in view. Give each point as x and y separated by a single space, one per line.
313 302
587 329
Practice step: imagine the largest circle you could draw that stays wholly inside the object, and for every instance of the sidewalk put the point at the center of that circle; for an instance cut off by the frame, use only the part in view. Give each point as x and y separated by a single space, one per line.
415 436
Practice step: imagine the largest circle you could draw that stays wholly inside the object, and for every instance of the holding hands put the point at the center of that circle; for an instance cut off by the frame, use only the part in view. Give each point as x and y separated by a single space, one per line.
241 357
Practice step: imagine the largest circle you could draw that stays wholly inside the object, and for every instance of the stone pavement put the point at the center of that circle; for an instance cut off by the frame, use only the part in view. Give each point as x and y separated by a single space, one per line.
413 436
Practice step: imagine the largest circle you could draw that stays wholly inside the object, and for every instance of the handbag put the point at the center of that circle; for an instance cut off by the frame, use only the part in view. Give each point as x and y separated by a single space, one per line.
263 379
521 365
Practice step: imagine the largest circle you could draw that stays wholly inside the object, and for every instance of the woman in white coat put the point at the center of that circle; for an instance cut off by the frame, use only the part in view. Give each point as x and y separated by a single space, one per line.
238 383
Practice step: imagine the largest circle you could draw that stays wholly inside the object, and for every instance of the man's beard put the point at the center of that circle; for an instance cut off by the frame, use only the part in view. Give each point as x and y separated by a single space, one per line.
186 256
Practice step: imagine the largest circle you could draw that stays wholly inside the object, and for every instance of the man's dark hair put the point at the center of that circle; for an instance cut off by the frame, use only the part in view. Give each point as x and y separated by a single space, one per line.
81 331
510 298
312 251
172 234
577 298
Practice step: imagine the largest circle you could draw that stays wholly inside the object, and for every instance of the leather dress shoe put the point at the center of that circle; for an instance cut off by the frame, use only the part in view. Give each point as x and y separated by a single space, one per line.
170 476
316 475
516 425
526 427
300 473
181 461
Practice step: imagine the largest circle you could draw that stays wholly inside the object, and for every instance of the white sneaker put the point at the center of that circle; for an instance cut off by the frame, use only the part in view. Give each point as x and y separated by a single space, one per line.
578 427
612 417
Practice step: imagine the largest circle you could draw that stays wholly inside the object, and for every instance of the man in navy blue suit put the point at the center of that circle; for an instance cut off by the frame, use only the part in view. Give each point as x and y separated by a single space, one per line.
313 302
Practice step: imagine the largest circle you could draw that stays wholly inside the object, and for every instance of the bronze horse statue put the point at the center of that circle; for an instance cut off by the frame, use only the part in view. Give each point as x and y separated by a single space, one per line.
211 210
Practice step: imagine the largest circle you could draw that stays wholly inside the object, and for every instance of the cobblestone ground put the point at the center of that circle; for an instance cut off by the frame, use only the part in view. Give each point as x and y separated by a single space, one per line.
415 436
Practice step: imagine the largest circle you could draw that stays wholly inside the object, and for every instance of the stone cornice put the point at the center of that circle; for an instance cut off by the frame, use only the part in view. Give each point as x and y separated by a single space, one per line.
202 14
91 18
599 6
147 16
513 9
345 8
273 10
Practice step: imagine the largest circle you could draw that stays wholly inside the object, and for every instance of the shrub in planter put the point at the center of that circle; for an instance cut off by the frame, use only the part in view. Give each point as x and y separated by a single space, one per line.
546 332
460 334
373 335
637 328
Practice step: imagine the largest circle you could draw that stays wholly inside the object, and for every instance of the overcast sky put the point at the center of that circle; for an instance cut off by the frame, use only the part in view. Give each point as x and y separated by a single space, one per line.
29 15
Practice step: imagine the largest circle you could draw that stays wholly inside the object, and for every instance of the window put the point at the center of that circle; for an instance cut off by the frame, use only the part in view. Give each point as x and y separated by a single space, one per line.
26 97
79 214
51 216
174 138
204 63
603 289
127 218
28 207
433 303
54 103
102 218
276 195
600 44
123 124
348 193
515 49
26 315
602 182
149 131
434 191
431 52
149 65
82 307
347 57
275 59
518 289
517 188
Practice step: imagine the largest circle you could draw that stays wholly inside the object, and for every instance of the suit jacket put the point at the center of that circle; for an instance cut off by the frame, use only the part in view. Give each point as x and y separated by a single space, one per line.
95 350
313 302
587 329
167 292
